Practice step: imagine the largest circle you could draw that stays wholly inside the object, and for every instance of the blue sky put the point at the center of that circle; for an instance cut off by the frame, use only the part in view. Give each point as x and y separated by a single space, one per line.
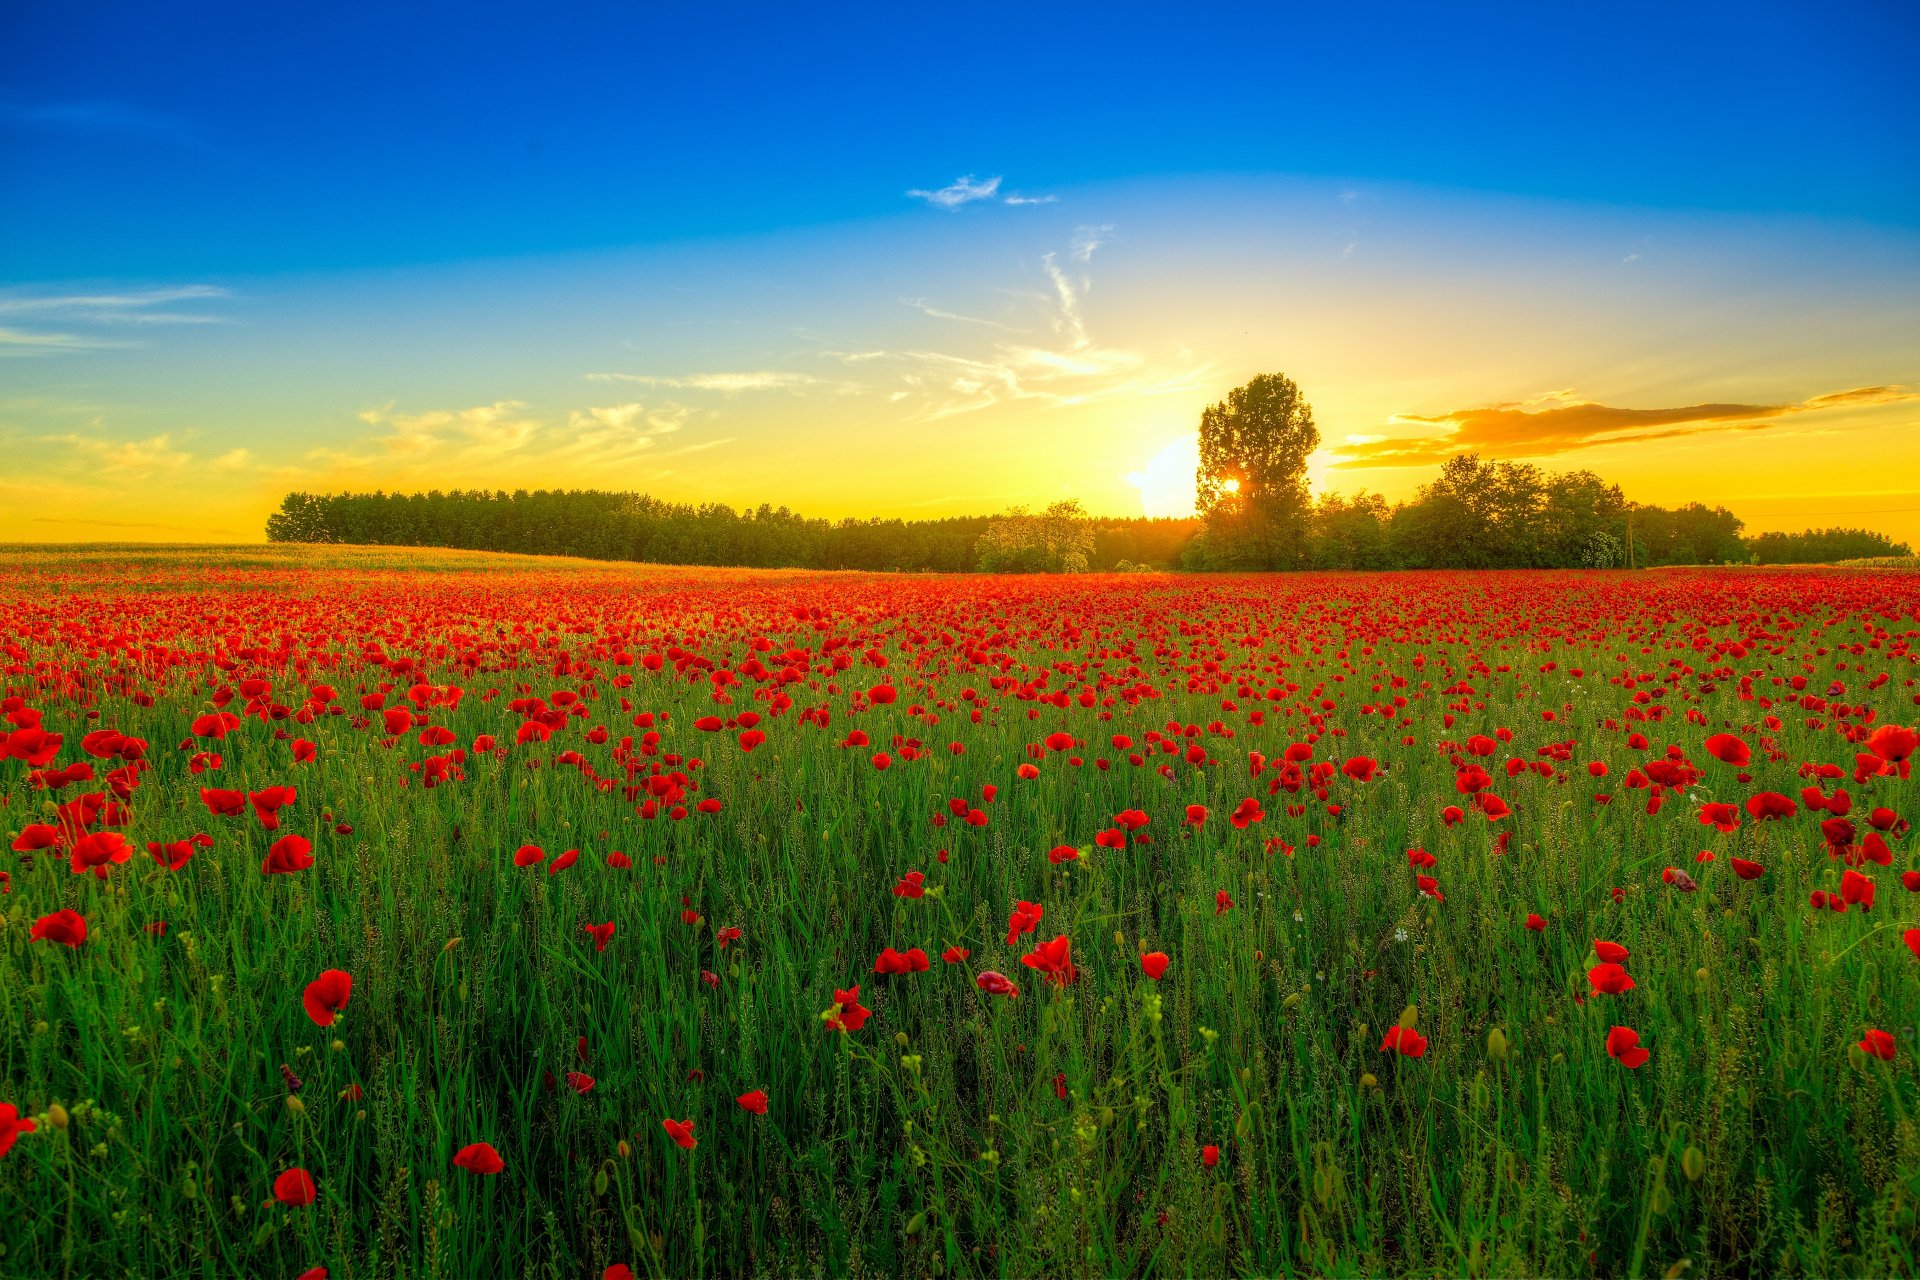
919 260
168 140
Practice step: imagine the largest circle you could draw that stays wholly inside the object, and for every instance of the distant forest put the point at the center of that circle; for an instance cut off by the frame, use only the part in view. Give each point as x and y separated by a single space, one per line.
1478 515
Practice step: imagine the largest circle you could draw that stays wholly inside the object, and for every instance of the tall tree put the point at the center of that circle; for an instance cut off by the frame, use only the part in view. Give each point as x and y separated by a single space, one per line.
1253 475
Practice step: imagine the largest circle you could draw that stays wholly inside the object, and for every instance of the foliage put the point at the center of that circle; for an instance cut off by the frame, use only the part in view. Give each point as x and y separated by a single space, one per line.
1058 540
1823 546
629 526
1252 483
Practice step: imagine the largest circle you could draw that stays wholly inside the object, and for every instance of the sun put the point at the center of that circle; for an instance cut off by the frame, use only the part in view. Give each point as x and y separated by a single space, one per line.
1166 483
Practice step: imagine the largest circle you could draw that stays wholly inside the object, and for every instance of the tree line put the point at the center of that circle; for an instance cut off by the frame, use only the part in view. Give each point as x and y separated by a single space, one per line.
1478 515
1256 512
603 525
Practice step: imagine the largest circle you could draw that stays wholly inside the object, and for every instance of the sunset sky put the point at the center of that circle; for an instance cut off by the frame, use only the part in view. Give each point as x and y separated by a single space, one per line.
859 262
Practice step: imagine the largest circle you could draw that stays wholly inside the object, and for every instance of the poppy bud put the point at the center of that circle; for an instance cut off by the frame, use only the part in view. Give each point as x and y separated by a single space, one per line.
1497 1045
296 1106
57 1116
625 1149
1368 1080
1693 1163
1410 1016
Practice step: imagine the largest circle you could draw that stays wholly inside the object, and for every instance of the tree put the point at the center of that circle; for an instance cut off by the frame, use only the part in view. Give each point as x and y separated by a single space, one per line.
1058 540
1252 482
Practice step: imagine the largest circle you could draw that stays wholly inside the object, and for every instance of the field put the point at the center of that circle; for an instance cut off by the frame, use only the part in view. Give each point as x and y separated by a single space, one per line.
436 914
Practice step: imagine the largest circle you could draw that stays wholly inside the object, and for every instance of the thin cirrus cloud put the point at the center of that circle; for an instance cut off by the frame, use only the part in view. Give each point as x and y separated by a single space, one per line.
492 442
1558 424
968 190
727 383
119 118
104 310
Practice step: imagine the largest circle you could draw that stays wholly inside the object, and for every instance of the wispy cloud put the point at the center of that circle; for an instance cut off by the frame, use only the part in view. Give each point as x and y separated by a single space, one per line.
502 441
927 308
1558 424
25 342
959 192
128 459
728 383
134 307
100 117
1073 369
1088 240
969 190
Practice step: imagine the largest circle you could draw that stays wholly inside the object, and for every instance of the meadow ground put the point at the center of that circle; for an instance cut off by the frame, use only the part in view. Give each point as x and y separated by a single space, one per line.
415 913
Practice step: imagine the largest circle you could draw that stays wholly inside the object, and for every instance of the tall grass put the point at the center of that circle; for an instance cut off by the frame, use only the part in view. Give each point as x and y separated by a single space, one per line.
934 1140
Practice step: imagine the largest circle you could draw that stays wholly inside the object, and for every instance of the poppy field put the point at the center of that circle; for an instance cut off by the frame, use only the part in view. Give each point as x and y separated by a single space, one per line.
373 913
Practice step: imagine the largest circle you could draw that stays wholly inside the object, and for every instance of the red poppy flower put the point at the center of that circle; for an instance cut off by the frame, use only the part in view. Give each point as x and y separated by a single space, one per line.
996 984
1623 1046
602 934
913 960
327 995
681 1131
268 803
96 850
1248 811
755 1101
1878 1044
1536 922
1609 979
479 1157
68 927
1154 964
1210 1155
1611 952
847 1013
12 1125
288 854
295 1187
955 955
528 854
1404 1041
1053 960
1728 749
1025 919
1746 870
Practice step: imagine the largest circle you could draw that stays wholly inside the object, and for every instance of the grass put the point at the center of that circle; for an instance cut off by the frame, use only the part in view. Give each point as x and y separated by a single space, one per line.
934 1140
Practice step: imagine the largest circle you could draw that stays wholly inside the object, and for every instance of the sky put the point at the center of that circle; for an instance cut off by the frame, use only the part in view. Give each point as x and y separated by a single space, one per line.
936 260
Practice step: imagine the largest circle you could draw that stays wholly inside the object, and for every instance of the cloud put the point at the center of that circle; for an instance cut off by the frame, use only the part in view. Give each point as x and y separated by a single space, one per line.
969 189
1086 240
138 307
101 118
129 459
959 192
926 308
1069 320
1557 424
727 383
135 307
25 342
